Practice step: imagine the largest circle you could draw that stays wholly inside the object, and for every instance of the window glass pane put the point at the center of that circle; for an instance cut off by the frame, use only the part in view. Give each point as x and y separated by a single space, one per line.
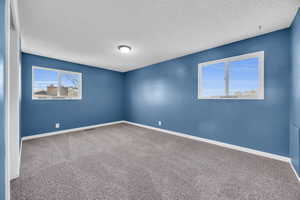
70 84
213 80
243 78
45 83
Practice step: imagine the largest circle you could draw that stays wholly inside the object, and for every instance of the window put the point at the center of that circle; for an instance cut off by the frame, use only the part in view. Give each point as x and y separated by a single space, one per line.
50 83
240 77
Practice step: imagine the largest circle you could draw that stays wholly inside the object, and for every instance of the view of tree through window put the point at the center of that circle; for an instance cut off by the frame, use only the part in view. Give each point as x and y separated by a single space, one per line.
55 84
236 77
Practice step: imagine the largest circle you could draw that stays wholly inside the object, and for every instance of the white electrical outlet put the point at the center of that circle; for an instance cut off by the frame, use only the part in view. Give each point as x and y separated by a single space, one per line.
57 125
159 123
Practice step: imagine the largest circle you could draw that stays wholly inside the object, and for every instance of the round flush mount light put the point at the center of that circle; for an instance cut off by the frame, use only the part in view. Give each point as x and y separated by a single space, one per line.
124 48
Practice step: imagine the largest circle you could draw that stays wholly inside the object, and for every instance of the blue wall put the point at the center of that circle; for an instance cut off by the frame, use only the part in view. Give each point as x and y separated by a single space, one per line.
2 88
102 98
295 94
167 91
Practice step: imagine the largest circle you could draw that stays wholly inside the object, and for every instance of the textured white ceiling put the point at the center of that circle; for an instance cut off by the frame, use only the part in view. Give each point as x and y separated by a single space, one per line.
89 31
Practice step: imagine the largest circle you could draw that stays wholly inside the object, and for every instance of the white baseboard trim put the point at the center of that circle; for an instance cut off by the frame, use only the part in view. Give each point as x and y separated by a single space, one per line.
68 130
230 146
294 170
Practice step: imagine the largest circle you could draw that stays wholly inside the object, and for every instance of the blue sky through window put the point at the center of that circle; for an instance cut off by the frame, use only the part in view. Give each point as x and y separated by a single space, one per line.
243 76
52 83
44 78
213 80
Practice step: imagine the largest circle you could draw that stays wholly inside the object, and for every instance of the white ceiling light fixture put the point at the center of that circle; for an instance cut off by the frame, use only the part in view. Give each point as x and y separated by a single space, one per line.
124 49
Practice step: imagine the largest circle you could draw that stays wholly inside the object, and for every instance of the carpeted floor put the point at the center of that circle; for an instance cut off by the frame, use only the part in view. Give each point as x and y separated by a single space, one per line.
131 163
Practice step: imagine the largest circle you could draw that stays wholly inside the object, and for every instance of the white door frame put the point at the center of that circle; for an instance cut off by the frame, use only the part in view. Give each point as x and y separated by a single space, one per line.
6 131
11 10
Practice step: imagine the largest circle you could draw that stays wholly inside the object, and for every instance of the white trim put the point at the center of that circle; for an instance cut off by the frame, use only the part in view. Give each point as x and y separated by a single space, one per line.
294 170
15 14
234 58
259 55
13 35
13 102
59 71
68 130
6 90
20 153
230 146
19 166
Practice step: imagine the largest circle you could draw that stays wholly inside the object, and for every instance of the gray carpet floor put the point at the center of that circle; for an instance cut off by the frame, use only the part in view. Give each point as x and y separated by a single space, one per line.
131 163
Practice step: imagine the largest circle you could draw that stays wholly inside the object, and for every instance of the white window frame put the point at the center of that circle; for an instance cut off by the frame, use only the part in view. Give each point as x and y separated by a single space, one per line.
260 92
58 82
